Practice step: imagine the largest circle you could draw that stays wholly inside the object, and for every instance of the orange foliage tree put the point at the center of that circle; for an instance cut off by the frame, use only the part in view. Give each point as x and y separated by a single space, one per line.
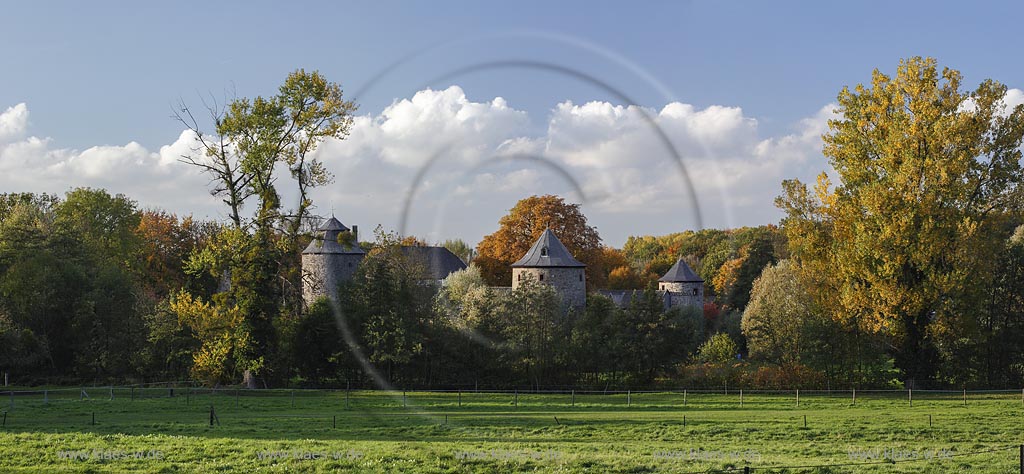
522 227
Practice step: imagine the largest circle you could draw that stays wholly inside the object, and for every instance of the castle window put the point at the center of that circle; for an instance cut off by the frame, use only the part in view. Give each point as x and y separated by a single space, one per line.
541 277
519 277
694 292
543 251
581 277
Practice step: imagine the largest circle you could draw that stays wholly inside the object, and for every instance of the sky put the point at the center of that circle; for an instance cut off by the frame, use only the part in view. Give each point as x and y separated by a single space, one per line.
656 117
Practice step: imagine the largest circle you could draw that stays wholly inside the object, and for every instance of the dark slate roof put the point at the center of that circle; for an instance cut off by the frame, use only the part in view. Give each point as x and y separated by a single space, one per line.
439 262
548 251
621 298
328 242
681 273
333 224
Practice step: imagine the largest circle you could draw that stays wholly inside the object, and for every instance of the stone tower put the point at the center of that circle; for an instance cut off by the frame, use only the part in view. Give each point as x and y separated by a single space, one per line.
549 262
682 287
326 263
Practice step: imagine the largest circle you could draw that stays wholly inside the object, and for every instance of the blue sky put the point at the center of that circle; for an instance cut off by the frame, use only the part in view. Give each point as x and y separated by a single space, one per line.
98 83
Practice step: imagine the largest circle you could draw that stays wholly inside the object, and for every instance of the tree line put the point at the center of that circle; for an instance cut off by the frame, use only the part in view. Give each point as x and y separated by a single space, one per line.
901 267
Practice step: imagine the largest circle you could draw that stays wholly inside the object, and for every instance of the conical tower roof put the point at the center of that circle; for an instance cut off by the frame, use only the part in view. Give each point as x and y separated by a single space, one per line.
328 242
548 251
333 224
681 273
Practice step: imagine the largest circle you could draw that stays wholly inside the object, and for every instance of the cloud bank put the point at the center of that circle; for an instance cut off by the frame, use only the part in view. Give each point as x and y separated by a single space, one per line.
461 164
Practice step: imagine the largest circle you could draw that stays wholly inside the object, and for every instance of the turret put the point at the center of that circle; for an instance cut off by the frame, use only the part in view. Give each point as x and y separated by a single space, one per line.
327 262
682 286
549 262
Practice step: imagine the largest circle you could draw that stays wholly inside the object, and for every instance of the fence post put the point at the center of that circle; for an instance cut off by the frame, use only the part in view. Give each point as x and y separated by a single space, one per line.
517 398
805 421
798 397
965 397
334 423
629 398
684 397
910 396
741 397
111 387
574 397
46 397
854 397
929 421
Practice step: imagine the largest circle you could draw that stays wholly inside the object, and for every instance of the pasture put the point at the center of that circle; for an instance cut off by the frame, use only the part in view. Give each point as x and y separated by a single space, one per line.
169 430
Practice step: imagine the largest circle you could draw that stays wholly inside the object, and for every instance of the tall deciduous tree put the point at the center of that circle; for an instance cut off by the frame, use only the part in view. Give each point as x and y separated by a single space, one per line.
927 172
521 228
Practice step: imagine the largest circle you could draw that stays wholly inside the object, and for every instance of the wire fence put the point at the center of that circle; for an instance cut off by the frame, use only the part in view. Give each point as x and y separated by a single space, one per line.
545 397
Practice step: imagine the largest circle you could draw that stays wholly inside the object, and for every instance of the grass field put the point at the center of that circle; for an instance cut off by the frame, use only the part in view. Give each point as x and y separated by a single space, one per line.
319 431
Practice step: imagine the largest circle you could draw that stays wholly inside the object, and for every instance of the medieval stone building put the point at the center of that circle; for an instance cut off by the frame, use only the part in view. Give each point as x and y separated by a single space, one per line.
681 286
549 262
326 262
333 257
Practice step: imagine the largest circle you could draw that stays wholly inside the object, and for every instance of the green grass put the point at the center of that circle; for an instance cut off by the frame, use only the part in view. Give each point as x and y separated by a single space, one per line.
633 433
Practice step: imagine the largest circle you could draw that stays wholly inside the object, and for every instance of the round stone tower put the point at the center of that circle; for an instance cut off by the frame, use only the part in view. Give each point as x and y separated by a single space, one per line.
682 286
327 262
549 262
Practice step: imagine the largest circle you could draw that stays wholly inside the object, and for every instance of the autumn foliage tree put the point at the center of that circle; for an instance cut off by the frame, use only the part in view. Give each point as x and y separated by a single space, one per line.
522 226
928 176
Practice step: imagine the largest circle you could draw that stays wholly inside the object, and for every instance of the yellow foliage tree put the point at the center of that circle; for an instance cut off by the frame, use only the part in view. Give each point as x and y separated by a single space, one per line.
928 174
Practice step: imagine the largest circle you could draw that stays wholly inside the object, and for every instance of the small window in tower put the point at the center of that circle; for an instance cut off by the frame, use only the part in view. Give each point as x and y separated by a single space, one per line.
519 277
543 251
541 277
581 277
694 292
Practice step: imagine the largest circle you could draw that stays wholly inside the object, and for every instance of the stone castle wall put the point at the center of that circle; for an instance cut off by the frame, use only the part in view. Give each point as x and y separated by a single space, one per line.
570 283
683 294
323 273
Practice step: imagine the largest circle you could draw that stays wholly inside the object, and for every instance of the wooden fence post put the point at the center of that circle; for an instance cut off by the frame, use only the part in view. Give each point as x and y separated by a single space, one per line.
629 398
741 397
574 397
910 396
798 397
684 397
855 397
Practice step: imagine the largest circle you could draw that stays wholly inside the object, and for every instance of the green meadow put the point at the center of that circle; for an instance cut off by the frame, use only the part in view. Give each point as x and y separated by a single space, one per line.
377 431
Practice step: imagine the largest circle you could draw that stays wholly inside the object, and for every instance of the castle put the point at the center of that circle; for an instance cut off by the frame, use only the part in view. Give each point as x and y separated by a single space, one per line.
333 257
